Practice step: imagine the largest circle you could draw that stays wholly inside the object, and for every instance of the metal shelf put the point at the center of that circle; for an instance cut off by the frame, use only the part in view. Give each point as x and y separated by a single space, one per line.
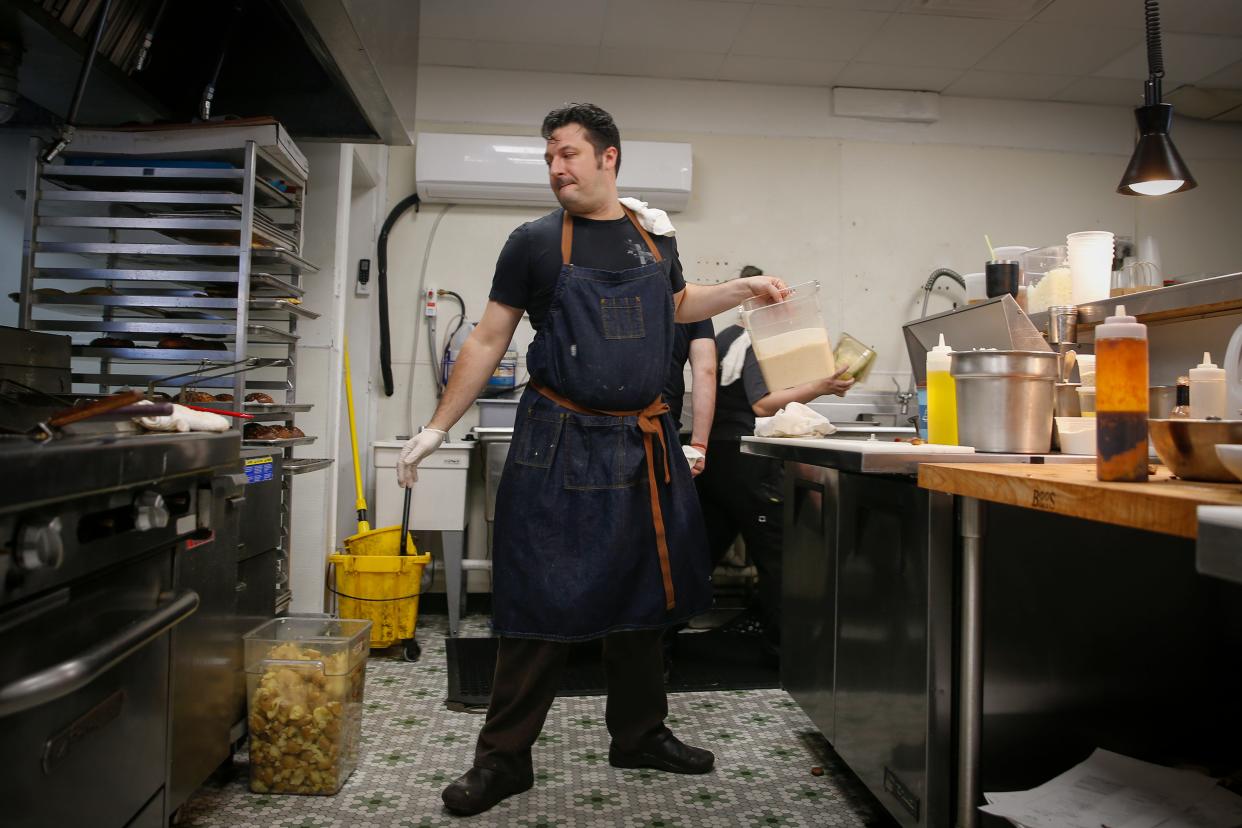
170 306
173 244
280 443
272 256
174 179
302 465
1192 300
155 354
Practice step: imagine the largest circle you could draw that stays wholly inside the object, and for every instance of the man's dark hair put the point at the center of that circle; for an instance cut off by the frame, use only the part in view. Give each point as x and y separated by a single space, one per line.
598 125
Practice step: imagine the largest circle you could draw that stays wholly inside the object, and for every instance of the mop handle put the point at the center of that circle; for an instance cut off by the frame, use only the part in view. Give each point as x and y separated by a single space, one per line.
405 520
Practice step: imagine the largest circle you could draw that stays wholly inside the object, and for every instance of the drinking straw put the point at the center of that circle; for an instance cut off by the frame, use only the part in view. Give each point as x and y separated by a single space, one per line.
991 252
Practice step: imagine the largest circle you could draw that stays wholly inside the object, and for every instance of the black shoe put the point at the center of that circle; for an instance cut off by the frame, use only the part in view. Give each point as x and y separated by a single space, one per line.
480 788
665 752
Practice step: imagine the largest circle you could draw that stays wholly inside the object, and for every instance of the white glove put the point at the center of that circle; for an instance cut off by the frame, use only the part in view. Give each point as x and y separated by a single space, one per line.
415 451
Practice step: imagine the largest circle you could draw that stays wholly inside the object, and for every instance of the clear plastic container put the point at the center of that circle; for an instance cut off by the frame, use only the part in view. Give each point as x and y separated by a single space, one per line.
854 357
1045 278
304 687
1086 400
789 338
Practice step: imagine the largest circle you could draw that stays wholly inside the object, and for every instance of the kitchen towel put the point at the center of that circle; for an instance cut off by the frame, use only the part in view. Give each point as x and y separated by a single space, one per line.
794 420
734 359
653 219
184 419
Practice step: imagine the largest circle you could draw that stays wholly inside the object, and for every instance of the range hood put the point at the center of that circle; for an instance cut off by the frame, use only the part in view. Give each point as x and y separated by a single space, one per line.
306 63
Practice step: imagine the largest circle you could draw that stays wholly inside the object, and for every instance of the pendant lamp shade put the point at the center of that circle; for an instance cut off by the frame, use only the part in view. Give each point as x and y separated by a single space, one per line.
1156 167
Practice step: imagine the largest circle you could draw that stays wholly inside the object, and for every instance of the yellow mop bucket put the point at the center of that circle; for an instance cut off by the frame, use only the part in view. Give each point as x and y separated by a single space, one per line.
378 578
376 583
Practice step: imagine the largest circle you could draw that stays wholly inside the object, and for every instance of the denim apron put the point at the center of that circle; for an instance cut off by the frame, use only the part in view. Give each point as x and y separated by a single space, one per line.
597 524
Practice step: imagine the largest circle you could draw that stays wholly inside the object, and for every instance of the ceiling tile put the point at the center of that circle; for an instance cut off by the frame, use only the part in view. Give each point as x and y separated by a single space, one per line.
887 76
1016 10
673 24
1068 50
1008 85
1124 13
446 18
749 69
856 5
1193 102
1219 17
443 51
1102 91
658 63
554 22
1233 116
1228 78
576 59
924 40
805 33
1187 58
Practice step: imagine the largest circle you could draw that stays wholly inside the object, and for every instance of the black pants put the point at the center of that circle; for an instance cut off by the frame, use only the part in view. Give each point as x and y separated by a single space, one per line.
527 674
742 494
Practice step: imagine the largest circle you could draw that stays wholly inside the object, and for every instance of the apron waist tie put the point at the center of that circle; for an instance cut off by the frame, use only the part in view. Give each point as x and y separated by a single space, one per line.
649 424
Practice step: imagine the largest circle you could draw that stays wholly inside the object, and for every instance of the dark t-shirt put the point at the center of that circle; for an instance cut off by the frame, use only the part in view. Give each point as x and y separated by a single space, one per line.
734 416
675 387
531 259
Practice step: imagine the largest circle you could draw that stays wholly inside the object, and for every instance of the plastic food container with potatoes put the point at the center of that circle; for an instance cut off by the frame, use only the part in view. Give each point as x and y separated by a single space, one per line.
304 684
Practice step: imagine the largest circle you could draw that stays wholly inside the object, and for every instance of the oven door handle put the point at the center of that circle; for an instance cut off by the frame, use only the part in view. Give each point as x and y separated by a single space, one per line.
74 673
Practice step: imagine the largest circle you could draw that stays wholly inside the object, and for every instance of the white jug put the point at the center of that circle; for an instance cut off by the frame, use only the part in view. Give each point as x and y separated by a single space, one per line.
1233 376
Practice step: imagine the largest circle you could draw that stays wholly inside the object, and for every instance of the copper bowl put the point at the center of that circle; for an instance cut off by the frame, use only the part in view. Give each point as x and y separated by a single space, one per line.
1188 447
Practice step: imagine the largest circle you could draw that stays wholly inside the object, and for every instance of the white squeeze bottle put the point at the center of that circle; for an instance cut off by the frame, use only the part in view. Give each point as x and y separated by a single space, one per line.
941 396
1207 389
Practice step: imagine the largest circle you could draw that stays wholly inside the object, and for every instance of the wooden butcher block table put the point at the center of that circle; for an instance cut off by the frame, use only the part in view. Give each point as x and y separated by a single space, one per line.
1163 504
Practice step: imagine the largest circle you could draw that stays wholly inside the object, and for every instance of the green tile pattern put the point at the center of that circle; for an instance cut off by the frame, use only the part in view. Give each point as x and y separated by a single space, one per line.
413 746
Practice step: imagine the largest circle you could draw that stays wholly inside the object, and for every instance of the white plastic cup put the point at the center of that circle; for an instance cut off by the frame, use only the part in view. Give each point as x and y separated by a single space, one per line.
1090 255
1086 369
976 288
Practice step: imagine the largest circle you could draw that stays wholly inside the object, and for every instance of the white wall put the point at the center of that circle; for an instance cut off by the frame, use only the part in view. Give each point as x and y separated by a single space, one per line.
869 209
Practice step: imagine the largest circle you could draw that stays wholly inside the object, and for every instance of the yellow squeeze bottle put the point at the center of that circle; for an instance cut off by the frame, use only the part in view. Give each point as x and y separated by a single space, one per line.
941 396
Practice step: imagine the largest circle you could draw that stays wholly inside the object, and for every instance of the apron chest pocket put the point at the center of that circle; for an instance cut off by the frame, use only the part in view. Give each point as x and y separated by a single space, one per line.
602 456
537 445
623 317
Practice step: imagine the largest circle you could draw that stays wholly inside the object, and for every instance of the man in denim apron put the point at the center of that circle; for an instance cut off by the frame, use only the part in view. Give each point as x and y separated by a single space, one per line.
598 531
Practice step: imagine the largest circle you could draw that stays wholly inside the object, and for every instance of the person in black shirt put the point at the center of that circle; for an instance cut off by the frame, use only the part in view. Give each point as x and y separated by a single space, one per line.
743 494
696 342
598 529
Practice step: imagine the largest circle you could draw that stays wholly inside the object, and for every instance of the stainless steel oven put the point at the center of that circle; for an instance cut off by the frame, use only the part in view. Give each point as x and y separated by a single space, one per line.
90 533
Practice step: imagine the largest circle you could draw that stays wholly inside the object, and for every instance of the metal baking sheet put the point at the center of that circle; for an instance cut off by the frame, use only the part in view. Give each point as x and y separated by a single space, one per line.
280 443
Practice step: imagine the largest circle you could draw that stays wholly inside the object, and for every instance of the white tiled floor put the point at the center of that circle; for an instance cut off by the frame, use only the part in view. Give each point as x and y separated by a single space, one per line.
413 746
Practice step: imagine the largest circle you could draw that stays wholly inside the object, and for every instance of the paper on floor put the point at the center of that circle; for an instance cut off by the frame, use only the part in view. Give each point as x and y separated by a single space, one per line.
1109 790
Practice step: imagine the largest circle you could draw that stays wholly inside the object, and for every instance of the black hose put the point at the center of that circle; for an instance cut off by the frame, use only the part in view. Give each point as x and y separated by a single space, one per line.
381 255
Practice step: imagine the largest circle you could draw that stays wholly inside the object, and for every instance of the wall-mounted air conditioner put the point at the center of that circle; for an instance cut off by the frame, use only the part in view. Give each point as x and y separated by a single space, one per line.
501 169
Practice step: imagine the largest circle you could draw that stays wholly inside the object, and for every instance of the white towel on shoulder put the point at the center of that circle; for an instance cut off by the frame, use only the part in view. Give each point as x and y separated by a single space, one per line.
794 420
734 360
653 219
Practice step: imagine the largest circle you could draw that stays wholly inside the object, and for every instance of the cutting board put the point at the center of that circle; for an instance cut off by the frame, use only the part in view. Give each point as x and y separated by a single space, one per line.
864 446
